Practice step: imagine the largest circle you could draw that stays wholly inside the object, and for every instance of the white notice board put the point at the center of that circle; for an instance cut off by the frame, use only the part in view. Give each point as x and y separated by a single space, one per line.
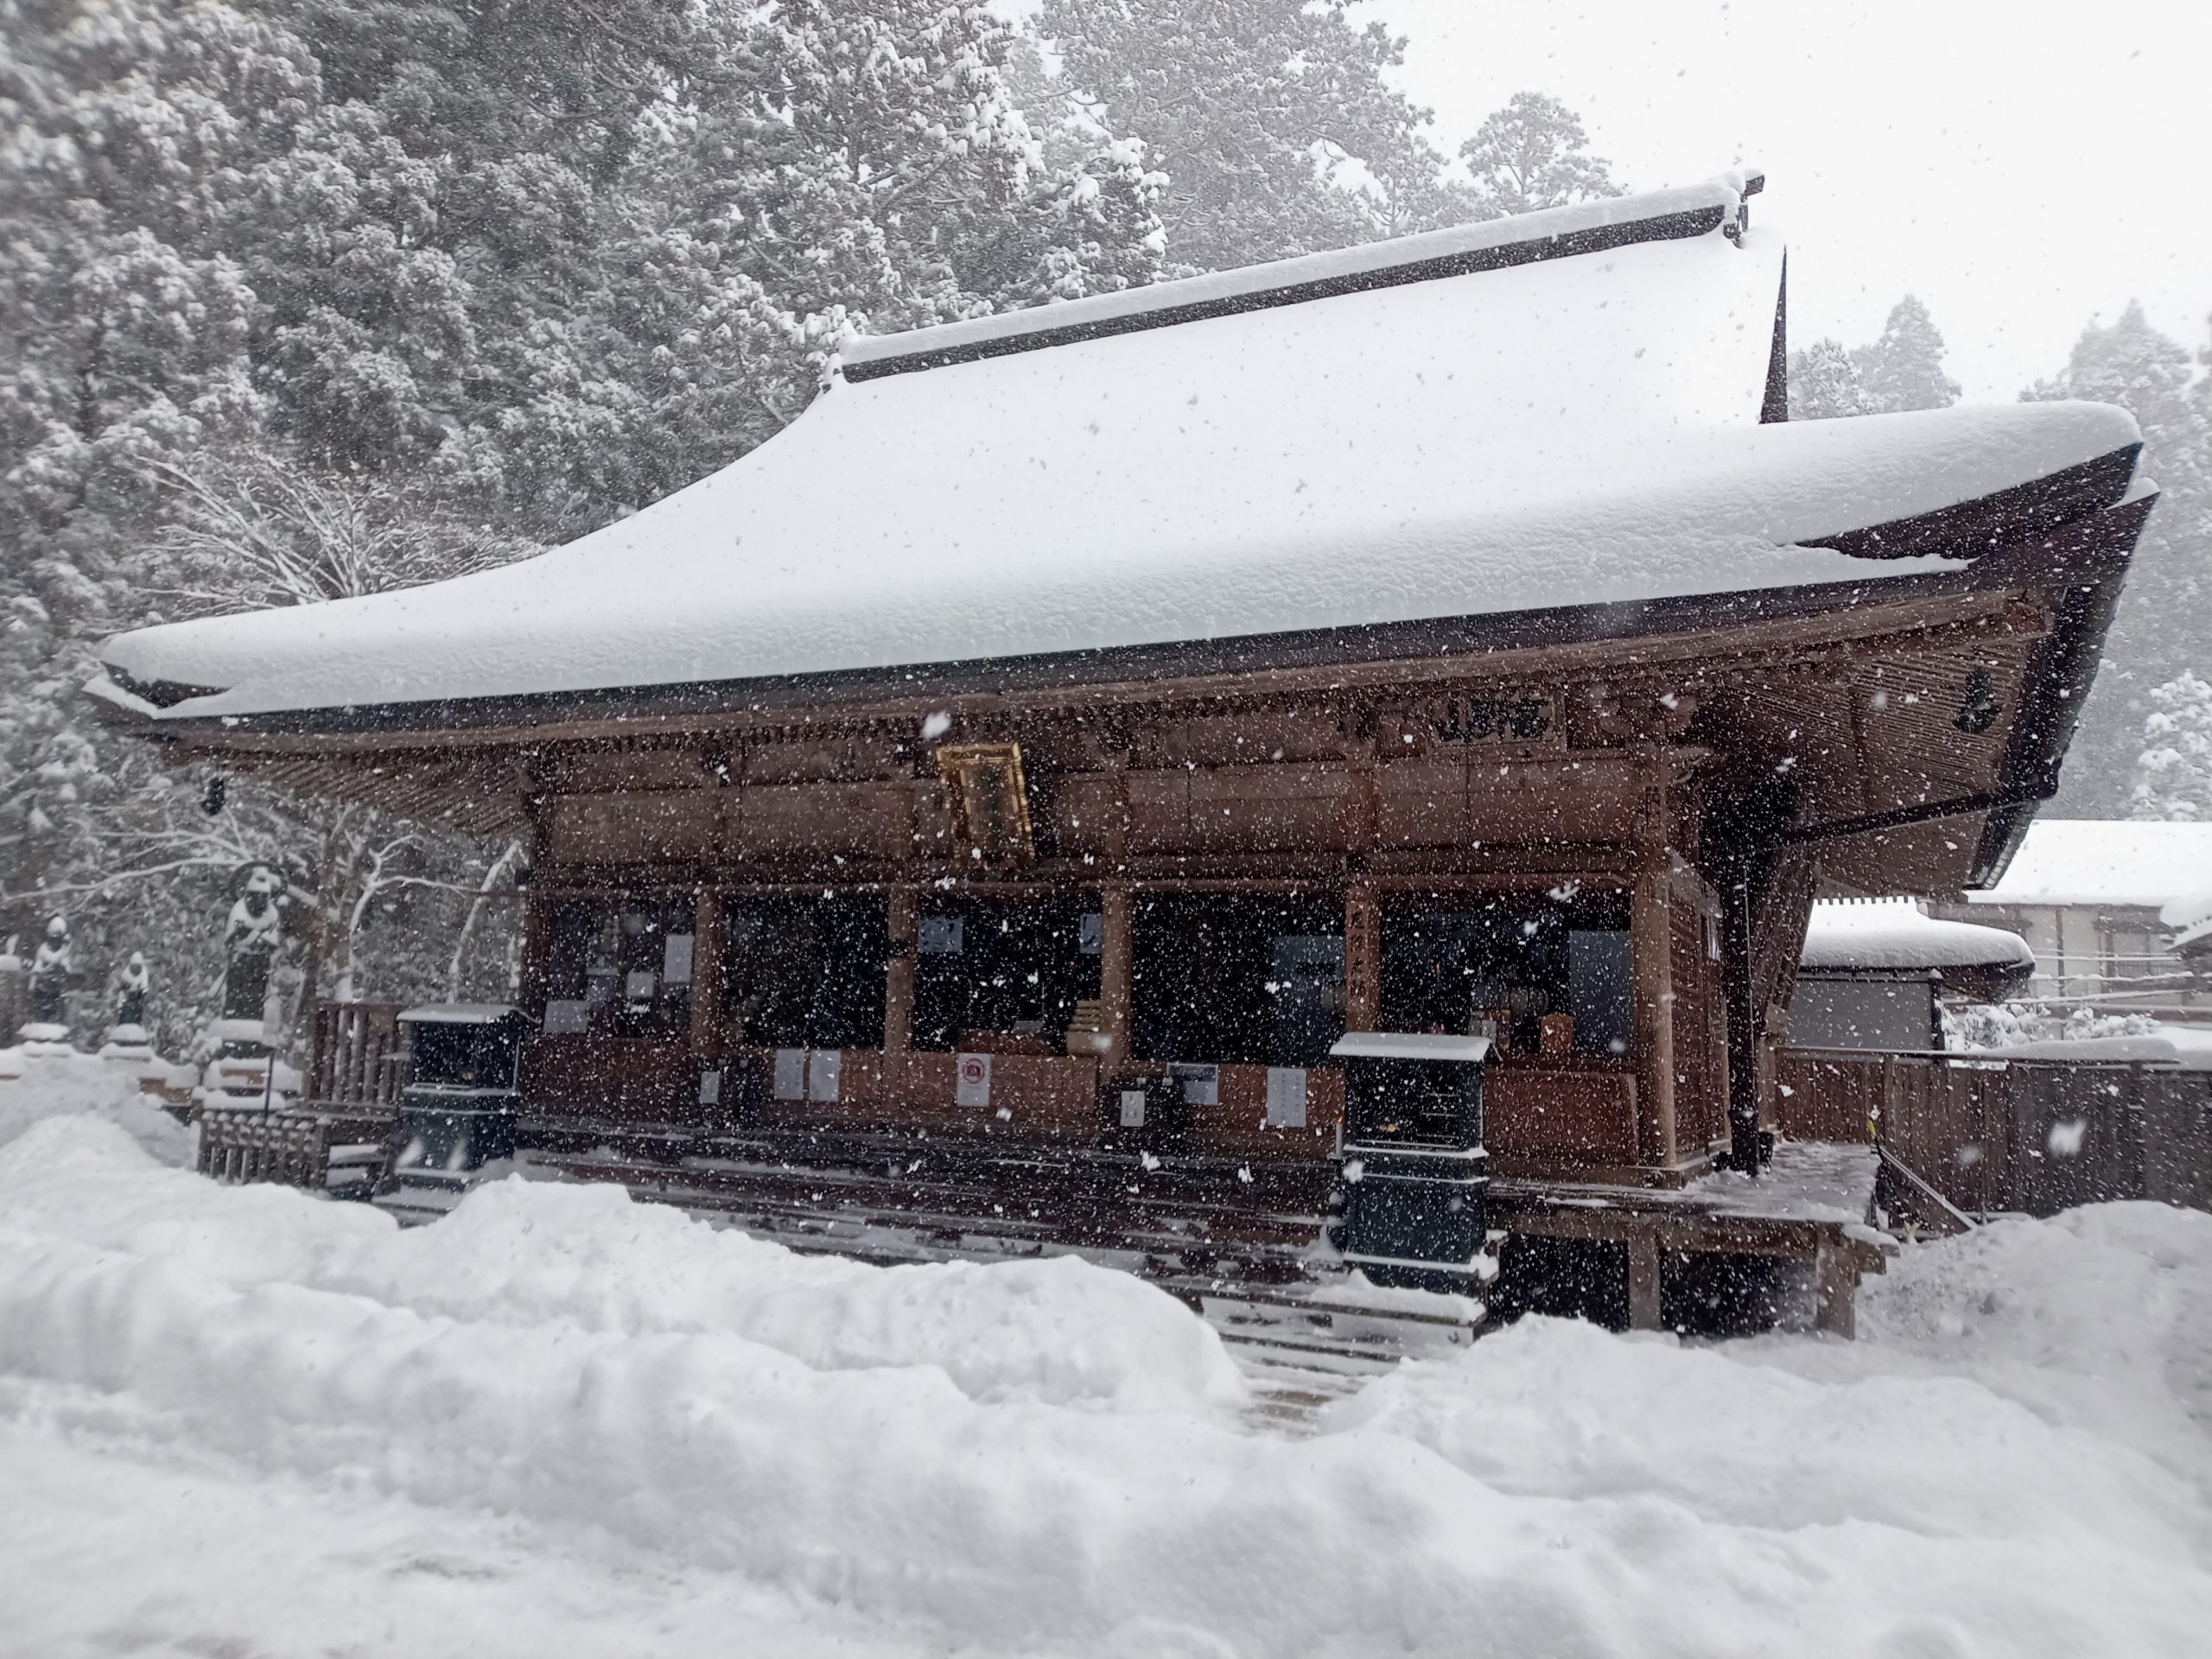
790 1074
1286 1097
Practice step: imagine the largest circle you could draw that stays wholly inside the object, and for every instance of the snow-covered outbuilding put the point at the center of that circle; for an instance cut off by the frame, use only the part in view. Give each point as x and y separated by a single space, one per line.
1448 633
2106 908
1873 972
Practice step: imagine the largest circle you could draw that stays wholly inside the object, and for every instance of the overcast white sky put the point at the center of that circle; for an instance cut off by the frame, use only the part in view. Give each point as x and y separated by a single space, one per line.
2020 165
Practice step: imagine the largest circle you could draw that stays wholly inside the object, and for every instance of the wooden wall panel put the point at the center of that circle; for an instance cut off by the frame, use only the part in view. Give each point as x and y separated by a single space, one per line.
643 827
790 821
1160 811
1267 808
1421 803
1538 1116
1078 811
1539 801
1237 1128
1047 1099
630 1080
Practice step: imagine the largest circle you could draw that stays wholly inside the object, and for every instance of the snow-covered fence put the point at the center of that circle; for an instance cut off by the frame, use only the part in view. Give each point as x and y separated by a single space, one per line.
2036 1135
245 1144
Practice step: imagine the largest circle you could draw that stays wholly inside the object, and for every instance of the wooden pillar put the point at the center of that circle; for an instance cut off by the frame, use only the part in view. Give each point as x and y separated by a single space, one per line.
904 917
536 948
1362 956
1644 1281
1651 977
709 932
1835 1290
1117 968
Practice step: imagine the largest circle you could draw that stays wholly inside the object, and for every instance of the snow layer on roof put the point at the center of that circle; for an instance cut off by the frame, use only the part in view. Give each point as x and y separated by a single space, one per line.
1877 933
2093 861
1572 432
1722 194
2191 910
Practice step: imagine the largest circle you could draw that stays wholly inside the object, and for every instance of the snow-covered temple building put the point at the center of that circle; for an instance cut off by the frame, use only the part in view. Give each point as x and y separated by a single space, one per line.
1443 635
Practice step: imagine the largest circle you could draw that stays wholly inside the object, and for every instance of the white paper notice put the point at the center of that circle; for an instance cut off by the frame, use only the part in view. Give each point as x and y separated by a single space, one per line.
566 1018
825 1068
1133 1108
676 959
710 1088
790 1074
974 1085
1286 1097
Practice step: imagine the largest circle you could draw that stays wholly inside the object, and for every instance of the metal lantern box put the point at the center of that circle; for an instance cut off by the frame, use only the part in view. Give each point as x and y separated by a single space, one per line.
1413 1165
458 1110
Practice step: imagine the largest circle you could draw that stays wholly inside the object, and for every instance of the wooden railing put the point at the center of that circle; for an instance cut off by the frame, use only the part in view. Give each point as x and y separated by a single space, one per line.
1992 1135
355 1062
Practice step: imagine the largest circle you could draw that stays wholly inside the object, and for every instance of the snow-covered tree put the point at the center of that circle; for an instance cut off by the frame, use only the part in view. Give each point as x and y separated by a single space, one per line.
2160 634
1902 368
1273 120
1825 383
1534 153
2173 774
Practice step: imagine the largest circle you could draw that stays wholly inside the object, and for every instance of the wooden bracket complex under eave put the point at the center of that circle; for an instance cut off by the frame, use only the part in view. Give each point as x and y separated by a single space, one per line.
988 797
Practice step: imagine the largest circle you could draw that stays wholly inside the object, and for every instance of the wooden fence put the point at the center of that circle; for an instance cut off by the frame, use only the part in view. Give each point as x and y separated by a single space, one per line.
2036 1137
355 1062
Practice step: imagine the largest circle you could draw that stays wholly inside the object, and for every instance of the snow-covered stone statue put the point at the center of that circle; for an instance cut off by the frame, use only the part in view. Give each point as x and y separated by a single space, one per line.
131 988
250 942
243 1068
126 1039
46 1003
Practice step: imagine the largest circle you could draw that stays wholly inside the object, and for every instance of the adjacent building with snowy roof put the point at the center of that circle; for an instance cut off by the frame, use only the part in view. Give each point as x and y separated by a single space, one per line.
1874 972
1125 698
2105 907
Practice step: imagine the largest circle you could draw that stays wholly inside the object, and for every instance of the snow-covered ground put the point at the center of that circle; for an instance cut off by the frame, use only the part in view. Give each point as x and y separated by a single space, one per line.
246 1421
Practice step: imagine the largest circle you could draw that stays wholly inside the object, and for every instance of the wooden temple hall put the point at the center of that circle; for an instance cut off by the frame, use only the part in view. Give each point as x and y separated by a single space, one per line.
995 797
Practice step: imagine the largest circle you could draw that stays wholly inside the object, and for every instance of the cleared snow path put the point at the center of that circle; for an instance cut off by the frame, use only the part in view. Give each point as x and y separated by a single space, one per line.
244 1420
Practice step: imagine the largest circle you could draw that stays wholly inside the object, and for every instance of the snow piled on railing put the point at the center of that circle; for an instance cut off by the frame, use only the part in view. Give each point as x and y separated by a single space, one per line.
248 1419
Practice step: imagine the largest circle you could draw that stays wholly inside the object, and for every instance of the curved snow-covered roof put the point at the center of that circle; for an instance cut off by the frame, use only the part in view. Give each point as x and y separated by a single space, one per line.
1872 934
1558 410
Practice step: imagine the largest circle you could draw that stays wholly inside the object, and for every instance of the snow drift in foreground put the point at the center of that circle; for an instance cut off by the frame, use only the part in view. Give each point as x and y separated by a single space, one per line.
247 1420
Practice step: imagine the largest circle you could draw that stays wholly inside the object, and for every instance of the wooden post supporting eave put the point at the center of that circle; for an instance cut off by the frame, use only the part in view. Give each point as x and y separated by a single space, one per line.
1362 956
903 916
709 931
1116 968
1651 976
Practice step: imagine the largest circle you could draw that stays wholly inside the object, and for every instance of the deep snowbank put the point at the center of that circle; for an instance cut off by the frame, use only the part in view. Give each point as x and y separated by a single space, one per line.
1047 1458
32 1090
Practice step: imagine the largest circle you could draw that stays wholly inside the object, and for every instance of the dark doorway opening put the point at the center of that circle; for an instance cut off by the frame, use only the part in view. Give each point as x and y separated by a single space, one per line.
1502 963
1252 979
805 970
1004 973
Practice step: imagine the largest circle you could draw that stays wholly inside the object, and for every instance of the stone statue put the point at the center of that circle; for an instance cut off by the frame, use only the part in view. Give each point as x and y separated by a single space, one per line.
255 929
131 992
48 1003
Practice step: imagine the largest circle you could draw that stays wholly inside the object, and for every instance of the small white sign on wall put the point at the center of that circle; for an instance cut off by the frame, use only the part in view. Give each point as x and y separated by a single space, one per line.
1133 1108
676 959
710 1086
567 1017
790 1074
972 1084
1286 1097
824 1070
